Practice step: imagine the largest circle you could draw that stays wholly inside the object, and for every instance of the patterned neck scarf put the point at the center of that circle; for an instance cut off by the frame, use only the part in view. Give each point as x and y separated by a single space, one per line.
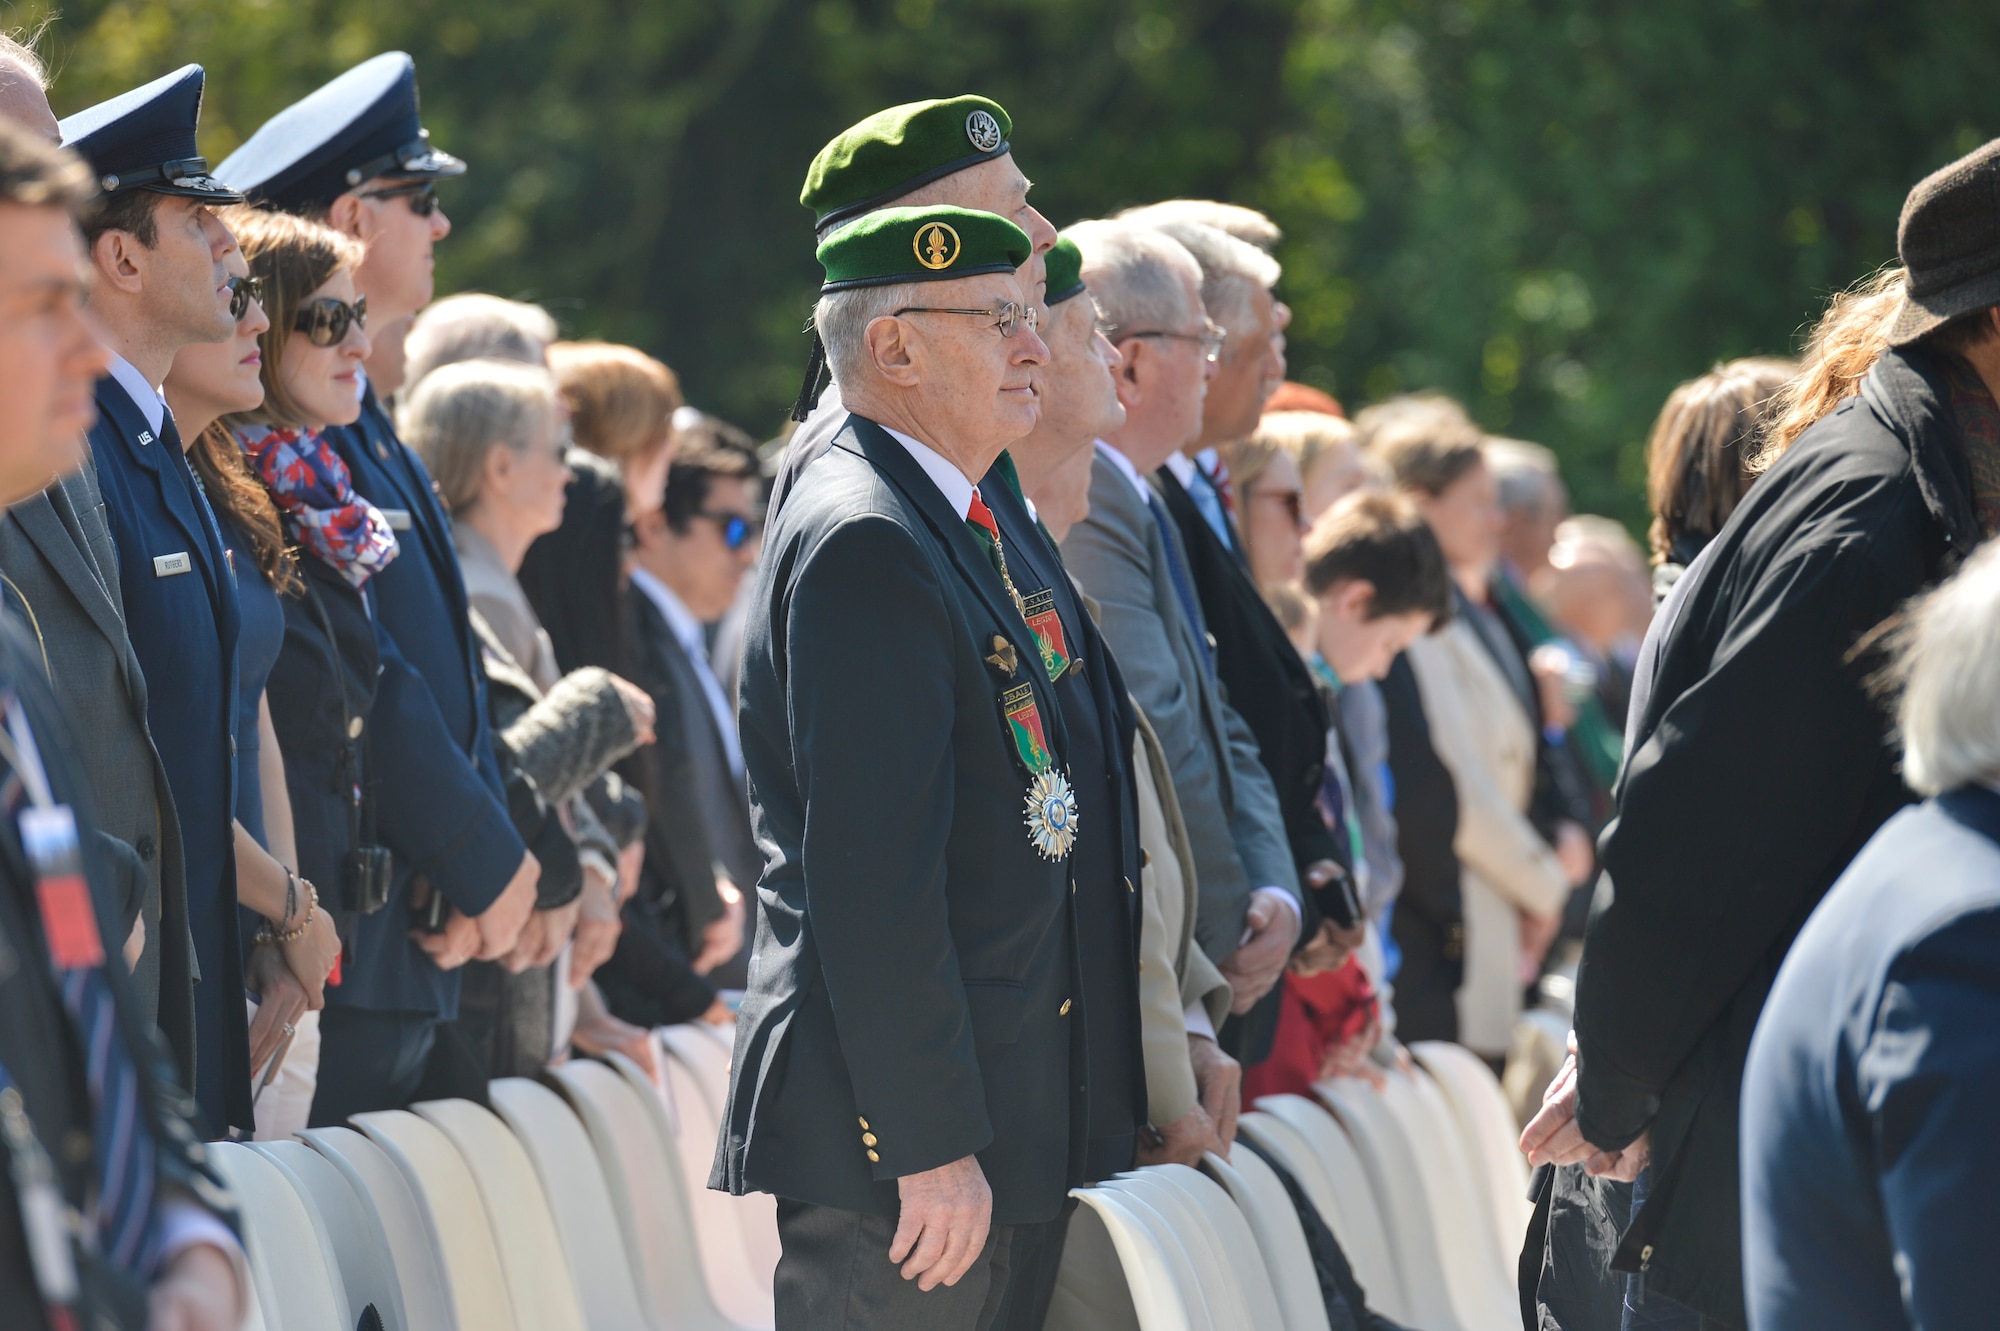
1978 420
313 491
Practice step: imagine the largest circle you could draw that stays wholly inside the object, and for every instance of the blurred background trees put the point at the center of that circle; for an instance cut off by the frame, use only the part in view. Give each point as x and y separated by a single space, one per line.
1554 209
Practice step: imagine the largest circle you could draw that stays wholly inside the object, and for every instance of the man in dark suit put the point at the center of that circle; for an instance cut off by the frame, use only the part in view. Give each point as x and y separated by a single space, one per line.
109 1213
61 570
692 546
355 155
160 258
907 1078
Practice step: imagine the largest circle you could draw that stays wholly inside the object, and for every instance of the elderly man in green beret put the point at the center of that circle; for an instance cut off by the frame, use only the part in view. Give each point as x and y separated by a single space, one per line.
906 1070
953 151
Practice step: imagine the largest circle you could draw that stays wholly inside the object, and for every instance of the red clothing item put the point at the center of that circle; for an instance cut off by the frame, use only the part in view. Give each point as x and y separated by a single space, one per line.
1316 1013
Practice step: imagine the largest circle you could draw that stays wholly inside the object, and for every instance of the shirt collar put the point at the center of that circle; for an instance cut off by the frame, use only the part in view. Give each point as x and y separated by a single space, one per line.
146 397
1125 467
680 620
1182 466
944 473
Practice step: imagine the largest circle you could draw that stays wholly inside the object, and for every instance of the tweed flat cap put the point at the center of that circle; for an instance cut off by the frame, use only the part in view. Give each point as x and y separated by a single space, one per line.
1949 240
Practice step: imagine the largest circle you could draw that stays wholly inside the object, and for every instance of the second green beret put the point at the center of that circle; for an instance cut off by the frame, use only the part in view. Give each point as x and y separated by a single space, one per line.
933 244
1065 263
897 150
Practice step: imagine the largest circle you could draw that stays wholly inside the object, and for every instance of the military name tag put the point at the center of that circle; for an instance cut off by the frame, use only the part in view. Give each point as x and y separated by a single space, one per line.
165 566
397 518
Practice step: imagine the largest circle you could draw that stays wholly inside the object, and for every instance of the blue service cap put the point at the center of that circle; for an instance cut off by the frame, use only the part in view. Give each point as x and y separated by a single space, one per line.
362 125
144 139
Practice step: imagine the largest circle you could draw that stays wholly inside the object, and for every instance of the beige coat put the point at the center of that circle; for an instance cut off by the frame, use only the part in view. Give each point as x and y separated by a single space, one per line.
1487 741
1174 973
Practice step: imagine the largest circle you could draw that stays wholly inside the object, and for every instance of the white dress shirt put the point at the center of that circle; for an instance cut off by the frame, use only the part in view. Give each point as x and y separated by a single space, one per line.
152 404
944 473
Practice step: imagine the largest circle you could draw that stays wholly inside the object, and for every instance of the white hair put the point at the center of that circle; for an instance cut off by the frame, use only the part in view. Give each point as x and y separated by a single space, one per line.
1948 663
18 48
1527 474
842 317
465 410
1137 276
1232 271
476 326
1246 224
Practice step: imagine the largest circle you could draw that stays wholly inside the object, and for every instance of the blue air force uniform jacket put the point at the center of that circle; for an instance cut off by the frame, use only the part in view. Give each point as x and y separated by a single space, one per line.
180 610
911 995
440 807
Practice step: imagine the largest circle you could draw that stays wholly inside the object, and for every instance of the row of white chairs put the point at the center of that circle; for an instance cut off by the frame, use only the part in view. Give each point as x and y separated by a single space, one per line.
578 1205
1419 1183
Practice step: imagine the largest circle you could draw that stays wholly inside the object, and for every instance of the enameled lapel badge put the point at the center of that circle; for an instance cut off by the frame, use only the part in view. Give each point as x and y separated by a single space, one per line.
1039 610
1051 804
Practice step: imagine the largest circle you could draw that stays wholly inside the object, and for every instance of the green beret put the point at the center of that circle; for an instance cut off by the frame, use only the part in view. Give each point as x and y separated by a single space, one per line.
1065 263
895 151
932 244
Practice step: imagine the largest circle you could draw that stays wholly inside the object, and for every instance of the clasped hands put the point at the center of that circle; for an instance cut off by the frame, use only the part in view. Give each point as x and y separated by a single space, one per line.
1553 1138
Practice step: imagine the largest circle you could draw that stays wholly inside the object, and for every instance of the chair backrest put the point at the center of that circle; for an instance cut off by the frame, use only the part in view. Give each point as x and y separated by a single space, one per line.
573 1180
360 1249
1156 1269
1214 1289
1473 1264
531 1252
1314 1149
1241 1260
295 1290
1401 1194
738 1236
1091 1291
705 1051
1274 1230
413 1240
635 1184
445 1187
1488 1124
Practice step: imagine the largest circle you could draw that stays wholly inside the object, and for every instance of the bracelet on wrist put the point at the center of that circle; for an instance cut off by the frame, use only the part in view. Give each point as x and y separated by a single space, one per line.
267 934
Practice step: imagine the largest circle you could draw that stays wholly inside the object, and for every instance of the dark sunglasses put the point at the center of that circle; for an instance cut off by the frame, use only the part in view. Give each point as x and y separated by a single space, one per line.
243 290
736 529
422 198
325 321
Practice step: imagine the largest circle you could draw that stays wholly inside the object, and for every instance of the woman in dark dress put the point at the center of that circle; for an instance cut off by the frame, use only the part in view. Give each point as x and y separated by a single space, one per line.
303 545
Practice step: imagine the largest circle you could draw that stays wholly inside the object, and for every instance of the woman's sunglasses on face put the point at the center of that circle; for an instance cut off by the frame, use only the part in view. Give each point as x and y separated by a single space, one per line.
325 321
243 290
421 196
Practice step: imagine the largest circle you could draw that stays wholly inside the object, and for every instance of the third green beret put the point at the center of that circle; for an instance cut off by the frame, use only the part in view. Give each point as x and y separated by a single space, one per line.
931 244
895 151
1065 264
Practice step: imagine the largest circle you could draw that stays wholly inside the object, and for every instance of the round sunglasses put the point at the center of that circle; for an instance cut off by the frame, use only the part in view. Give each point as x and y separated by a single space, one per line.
325 321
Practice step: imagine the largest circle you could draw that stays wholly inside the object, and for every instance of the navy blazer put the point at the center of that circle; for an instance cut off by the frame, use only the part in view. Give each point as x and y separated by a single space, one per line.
440 805
1870 1167
910 999
180 610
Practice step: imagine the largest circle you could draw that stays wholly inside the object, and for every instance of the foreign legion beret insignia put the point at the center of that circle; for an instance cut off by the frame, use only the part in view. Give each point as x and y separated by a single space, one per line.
983 130
936 245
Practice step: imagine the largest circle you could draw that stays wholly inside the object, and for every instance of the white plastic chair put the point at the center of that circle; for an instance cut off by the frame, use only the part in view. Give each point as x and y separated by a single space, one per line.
579 1200
407 1225
1470 1250
445 1187
706 1051
1240 1259
1274 1229
1316 1151
1488 1124
1216 1287
1155 1269
1404 1199
738 1236
295 1290
636 1184
361 1254
1092 1291
531 1253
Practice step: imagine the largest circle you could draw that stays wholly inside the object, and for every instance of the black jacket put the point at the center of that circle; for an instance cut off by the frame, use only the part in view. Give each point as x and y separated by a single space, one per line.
575 577
1429 920
1265 678
910 997
1760 764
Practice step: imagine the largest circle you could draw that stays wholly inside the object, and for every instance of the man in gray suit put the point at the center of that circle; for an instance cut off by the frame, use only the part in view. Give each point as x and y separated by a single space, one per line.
61 579
1127 556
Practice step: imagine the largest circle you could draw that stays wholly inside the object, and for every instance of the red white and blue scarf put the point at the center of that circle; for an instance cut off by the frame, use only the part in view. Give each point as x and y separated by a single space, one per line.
314 492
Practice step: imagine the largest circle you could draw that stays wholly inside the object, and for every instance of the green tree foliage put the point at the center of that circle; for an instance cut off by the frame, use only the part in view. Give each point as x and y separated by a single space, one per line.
1554 209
